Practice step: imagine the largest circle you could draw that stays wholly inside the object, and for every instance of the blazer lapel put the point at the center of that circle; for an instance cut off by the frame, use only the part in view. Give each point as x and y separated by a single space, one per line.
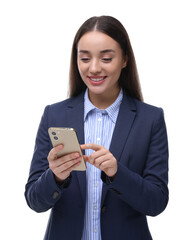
121 132
75 119
123 126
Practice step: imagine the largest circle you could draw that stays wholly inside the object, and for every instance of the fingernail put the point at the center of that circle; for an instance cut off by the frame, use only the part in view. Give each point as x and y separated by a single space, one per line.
76 155
60 147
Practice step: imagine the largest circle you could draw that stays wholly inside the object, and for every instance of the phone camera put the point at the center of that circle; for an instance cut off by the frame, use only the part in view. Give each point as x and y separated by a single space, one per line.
56 138
53 133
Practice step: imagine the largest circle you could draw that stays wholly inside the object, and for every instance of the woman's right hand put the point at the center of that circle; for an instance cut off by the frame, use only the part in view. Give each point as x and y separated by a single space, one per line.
62 167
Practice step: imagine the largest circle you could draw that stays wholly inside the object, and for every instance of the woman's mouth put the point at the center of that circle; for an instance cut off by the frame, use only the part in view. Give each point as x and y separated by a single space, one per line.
96 80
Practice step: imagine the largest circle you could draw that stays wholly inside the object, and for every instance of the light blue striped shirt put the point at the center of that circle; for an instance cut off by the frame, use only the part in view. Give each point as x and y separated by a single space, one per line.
98 127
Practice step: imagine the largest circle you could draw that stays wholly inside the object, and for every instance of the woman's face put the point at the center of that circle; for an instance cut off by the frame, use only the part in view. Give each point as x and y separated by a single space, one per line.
100 61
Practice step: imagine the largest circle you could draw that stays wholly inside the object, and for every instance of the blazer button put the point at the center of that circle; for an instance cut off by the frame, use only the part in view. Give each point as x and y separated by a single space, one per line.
55 195
103 209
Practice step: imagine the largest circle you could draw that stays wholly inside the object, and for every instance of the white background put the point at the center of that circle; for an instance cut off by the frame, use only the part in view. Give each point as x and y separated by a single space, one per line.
35 44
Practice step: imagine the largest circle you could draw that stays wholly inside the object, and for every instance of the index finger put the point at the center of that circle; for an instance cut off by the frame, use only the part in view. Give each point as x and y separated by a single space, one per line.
92 146
53 153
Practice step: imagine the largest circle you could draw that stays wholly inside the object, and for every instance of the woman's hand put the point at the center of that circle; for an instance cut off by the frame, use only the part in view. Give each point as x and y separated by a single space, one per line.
62 167
102 158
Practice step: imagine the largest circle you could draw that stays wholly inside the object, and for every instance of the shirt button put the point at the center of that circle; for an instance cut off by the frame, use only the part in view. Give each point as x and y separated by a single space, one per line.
98 139
96 184
95 207
95 230
99 119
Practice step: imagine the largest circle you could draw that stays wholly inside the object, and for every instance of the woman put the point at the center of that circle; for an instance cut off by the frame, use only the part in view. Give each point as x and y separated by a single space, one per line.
123 139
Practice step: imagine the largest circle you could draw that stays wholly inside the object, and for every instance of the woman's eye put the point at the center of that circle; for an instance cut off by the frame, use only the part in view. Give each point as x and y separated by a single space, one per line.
107 59
85 59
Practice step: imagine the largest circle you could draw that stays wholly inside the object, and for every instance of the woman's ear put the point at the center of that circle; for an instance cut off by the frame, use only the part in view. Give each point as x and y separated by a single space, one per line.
125 61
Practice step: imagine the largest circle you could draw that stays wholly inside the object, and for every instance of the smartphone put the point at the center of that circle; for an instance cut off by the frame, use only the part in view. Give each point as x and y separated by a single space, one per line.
67 137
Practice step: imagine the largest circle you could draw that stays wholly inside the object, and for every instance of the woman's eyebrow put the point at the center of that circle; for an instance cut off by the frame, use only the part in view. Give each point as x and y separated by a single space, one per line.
103 51
83 51
107 51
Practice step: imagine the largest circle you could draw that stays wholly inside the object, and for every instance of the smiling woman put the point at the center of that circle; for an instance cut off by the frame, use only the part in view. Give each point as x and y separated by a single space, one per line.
110 29
100 61
124 142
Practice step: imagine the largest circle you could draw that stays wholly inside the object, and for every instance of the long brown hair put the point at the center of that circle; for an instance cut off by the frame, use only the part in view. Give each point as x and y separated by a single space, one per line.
128 80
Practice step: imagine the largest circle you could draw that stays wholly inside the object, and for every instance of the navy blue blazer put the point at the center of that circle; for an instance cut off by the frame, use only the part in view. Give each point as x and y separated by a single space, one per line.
139 143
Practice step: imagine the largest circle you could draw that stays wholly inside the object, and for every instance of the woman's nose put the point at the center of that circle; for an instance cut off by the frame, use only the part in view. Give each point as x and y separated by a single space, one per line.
95 66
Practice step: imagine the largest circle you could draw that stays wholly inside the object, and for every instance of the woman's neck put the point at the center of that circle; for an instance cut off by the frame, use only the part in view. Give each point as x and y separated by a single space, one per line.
103 101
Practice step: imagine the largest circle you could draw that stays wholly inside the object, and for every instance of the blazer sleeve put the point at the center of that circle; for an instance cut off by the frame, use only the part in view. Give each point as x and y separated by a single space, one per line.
41 190
146 193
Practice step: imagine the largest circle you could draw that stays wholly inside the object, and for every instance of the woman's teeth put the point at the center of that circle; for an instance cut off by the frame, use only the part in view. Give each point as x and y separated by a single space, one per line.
97 79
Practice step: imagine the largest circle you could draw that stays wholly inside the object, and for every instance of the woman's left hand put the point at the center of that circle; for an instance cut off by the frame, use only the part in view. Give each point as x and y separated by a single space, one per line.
102 158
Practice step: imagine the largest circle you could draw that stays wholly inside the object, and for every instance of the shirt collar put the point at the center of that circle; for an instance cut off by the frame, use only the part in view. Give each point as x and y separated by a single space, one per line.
112 110
88 106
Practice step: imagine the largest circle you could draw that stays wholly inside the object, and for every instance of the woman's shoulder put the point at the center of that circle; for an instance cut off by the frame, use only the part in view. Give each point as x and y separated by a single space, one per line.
147 107
69 102
144 109
149 112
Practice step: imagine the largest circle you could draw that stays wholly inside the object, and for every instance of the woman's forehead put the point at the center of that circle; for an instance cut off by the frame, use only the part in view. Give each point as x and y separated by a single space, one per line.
96 40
